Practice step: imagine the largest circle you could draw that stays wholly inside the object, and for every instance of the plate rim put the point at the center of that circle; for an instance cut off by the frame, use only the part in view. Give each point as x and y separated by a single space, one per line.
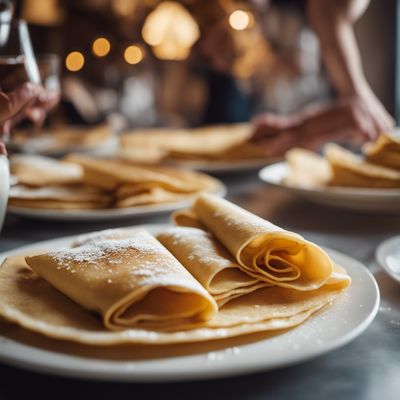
380 255
211 372
109 214
334 191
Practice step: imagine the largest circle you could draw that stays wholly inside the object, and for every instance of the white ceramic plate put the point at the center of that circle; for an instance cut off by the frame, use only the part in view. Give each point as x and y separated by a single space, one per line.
388 256
331 328
356 199
223 167
107 214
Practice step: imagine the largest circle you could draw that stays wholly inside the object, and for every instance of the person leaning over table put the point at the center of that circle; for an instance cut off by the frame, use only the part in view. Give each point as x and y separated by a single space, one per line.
27 101
357 114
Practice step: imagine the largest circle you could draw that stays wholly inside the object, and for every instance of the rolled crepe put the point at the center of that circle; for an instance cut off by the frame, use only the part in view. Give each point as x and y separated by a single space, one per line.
132 282
385 151
348 169
262 249
209 263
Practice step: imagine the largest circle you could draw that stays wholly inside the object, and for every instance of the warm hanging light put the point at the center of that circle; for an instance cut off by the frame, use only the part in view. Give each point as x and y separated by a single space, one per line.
101 47
133 54
240 20
171 31
48 13
74 61
123 8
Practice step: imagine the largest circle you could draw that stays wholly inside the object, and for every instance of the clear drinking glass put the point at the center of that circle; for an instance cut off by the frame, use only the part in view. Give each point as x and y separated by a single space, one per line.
17 60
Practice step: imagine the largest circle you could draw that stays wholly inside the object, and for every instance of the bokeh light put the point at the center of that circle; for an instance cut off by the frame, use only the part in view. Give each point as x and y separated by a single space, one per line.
171 31
74 61
133 54
101 47
239 20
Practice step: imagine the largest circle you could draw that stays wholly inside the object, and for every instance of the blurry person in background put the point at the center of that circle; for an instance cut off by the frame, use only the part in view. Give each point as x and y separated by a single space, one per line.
354 114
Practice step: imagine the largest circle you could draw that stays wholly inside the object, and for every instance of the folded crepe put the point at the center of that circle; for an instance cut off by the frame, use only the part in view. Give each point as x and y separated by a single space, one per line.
213 143
35 170
262 249
307 169
58 197
384 151
348 169
29 301
208 261
110 174
129 282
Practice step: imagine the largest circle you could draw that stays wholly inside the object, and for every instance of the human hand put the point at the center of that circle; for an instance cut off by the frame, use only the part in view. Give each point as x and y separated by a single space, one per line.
355 120
27 101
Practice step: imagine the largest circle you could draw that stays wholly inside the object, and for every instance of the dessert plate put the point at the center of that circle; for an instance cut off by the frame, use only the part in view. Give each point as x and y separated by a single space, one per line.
325 331
388 256
355 199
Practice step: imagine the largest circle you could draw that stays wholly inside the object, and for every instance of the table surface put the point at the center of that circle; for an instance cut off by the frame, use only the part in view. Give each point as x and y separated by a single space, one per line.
367 368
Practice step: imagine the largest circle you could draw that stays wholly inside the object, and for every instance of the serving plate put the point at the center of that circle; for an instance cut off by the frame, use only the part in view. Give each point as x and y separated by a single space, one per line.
388 256
355 199
330 328
107 214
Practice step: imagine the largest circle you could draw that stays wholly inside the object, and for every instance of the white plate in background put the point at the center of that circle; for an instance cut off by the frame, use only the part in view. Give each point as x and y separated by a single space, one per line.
355 199
330 328
388 256
107 214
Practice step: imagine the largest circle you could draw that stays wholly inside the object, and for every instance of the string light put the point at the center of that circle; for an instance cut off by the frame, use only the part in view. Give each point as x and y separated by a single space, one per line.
74 61
240 20
101 47
133 54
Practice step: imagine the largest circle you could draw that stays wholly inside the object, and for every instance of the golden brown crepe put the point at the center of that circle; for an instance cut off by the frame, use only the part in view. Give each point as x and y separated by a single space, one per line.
349 169
307 169
212 143
35 170
130 282
58 197
208 261
385 151
262 249
29 301
110 174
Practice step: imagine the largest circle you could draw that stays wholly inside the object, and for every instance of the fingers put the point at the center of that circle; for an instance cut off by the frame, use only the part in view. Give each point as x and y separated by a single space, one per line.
12 103
3 149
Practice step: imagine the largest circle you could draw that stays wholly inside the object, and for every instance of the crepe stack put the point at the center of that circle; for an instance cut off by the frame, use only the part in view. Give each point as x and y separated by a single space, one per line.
83 182
341 167
213 143
51 184
241 275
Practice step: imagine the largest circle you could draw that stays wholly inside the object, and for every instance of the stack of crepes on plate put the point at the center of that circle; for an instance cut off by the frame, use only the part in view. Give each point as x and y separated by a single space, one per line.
82 182
62 139
377 167
232 274
211 143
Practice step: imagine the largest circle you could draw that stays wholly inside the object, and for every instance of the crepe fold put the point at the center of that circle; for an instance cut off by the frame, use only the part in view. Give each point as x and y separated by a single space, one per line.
129 282
29 301
210 263
385 151
262 249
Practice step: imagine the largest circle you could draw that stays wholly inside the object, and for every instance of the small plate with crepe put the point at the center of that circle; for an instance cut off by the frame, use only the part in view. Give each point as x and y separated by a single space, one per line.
86 188
340 178
213 149
222 293
58 141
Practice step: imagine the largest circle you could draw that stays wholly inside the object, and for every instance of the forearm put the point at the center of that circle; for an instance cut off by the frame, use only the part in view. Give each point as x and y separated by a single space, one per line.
333 24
